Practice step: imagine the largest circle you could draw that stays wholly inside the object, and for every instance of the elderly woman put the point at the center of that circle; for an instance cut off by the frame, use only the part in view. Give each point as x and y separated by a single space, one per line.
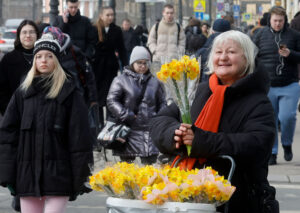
231 115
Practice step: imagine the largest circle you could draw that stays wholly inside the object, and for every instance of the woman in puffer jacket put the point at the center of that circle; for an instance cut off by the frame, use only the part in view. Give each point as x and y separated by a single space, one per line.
124 105
45 143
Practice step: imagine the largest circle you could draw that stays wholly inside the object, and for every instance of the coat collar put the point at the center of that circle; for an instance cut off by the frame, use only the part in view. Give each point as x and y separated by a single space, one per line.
66 90
140 77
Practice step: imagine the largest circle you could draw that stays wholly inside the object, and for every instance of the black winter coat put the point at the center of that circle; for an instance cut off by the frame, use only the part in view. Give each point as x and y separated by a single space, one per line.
106 64
13 68
81 31
268 41
122 103
246 132
194 39
130 40
45 144
77 66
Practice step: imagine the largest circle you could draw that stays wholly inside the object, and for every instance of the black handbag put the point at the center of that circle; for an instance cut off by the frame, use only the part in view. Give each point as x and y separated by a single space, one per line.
114 134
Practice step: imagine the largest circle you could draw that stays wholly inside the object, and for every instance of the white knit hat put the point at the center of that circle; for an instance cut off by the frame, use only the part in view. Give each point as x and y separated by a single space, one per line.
139 53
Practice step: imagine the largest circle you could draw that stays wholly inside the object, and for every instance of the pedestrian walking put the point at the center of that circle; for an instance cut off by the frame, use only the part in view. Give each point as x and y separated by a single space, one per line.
194 37
279 51
142 35
166 38
45 143
109 48
205 29
78 27
231 115
15 64
129 37
134 97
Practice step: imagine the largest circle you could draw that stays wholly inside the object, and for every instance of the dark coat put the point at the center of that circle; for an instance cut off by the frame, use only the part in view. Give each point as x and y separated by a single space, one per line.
106 64
130 40
76 64
121 102
194 39
295 23
267 40
81 31
45 144
246 132
13 68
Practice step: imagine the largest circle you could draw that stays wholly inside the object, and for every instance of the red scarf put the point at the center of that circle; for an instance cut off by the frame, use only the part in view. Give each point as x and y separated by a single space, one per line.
209 117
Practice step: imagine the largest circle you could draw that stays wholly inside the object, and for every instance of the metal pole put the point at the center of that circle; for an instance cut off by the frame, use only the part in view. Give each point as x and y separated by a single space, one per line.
99 4
180 11
53 10
112 4
210 11
143 14
1 18
33 10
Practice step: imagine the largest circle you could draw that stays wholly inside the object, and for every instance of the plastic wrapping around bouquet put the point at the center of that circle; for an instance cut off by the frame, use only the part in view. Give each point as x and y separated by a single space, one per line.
118 205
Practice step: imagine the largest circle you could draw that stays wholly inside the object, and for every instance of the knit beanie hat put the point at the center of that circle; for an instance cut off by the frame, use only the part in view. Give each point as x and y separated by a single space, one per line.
139 53
47 42
221 25
57 34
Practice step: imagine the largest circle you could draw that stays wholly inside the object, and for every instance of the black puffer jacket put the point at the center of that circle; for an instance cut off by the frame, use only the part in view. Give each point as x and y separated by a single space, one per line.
76 64
246 132
45 144
268 41
81 31
121 102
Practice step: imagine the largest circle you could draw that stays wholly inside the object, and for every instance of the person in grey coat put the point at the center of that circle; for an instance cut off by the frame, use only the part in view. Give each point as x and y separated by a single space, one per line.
122 102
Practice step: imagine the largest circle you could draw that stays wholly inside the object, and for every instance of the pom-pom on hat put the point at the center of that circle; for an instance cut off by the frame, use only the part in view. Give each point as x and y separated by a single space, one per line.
47 42
139 53
221 25
57 34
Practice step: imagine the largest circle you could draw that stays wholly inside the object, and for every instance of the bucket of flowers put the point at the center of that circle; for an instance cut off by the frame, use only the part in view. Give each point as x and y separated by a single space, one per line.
133 188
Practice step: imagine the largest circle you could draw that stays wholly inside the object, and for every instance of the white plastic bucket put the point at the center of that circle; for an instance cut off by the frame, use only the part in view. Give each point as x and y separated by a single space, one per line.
118 205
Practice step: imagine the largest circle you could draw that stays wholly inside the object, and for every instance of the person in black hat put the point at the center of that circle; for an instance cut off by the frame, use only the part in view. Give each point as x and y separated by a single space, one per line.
219 26
45 143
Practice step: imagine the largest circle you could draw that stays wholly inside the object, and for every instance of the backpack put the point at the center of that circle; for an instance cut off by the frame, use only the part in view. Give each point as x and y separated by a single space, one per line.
178 34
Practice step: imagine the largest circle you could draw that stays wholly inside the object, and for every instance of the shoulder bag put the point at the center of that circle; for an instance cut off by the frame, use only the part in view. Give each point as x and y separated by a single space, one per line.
114 134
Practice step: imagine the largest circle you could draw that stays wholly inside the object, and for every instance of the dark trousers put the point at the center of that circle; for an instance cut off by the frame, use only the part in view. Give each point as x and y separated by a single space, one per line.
145 160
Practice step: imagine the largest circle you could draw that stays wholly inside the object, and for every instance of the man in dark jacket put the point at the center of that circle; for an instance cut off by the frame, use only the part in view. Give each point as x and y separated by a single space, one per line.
129 37
78 27
279 51
219 26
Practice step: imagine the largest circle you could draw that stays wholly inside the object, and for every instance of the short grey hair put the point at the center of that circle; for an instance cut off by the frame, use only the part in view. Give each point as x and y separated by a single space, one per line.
248 47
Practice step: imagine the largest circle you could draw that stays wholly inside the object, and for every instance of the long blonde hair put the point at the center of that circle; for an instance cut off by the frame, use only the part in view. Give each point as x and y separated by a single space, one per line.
54 80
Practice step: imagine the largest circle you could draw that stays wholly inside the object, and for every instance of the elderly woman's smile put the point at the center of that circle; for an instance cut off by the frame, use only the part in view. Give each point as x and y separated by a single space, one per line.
229 61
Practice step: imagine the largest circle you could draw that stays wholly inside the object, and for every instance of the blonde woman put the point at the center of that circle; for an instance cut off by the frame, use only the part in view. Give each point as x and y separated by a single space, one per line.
45 143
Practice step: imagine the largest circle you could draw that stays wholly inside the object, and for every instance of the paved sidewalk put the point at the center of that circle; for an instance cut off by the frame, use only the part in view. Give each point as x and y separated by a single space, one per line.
287 172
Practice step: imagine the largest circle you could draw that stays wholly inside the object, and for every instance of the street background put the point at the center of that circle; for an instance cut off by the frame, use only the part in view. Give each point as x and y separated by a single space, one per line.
285 177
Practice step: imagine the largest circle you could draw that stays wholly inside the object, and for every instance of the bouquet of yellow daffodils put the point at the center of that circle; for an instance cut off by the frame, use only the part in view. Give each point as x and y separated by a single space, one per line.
181 77
164 184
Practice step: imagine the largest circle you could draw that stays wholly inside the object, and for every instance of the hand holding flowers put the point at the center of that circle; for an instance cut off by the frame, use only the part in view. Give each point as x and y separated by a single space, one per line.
184 135
181 77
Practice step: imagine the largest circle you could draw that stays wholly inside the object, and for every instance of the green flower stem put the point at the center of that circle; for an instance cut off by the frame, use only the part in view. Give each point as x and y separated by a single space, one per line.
185 114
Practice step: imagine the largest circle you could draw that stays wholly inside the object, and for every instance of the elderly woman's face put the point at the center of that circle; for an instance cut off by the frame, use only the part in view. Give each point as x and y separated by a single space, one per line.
229 62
